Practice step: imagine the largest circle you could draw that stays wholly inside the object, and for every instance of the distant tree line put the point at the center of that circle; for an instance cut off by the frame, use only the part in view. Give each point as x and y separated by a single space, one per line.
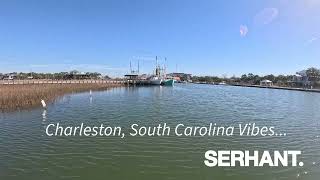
312 74
57 76
208 79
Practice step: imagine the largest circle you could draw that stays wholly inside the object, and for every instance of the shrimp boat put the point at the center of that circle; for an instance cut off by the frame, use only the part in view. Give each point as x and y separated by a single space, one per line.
168 82
155 80
159 78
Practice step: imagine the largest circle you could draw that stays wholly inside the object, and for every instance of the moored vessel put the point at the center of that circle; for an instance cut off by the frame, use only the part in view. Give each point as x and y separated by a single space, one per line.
168 82
155 80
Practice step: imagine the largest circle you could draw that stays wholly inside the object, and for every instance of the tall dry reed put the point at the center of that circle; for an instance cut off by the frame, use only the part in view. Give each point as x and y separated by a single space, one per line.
13 97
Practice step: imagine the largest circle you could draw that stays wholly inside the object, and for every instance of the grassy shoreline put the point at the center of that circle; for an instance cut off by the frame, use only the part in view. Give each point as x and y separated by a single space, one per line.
16 97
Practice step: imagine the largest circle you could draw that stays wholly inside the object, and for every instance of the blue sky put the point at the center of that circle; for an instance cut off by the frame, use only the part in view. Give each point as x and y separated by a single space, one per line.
203 37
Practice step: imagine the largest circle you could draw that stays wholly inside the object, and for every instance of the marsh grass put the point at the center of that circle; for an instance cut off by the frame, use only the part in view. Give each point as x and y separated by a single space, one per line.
15 97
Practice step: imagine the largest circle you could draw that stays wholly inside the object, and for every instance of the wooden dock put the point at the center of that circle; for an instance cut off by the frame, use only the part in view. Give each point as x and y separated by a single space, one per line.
138 82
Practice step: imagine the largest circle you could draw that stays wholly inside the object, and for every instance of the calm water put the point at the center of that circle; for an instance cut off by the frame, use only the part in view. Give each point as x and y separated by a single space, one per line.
27 153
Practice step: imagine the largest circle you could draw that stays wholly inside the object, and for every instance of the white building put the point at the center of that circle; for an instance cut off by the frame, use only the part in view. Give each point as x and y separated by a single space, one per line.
301 78
266 82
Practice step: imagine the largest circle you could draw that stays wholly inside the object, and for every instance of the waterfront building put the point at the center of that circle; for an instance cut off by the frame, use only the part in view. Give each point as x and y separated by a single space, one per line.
300 79
266 82
180 76
10 76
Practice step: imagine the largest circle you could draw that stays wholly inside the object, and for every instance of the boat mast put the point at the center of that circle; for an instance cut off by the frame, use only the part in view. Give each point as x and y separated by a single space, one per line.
157 67
130 67
165 67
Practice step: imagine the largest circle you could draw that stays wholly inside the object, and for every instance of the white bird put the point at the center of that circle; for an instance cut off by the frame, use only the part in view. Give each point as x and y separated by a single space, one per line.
44 105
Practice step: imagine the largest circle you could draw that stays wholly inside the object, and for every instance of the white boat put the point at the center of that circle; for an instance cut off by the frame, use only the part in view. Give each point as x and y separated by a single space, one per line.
155 81
222 83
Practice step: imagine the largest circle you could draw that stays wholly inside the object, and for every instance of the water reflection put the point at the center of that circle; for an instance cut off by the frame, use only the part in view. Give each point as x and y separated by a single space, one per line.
44 115
177 157
90 100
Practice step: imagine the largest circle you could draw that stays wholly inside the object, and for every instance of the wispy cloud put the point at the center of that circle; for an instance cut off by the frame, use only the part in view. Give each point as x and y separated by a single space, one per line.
80 67
96 67
312 40
144 58
266 16
243 30
39 65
